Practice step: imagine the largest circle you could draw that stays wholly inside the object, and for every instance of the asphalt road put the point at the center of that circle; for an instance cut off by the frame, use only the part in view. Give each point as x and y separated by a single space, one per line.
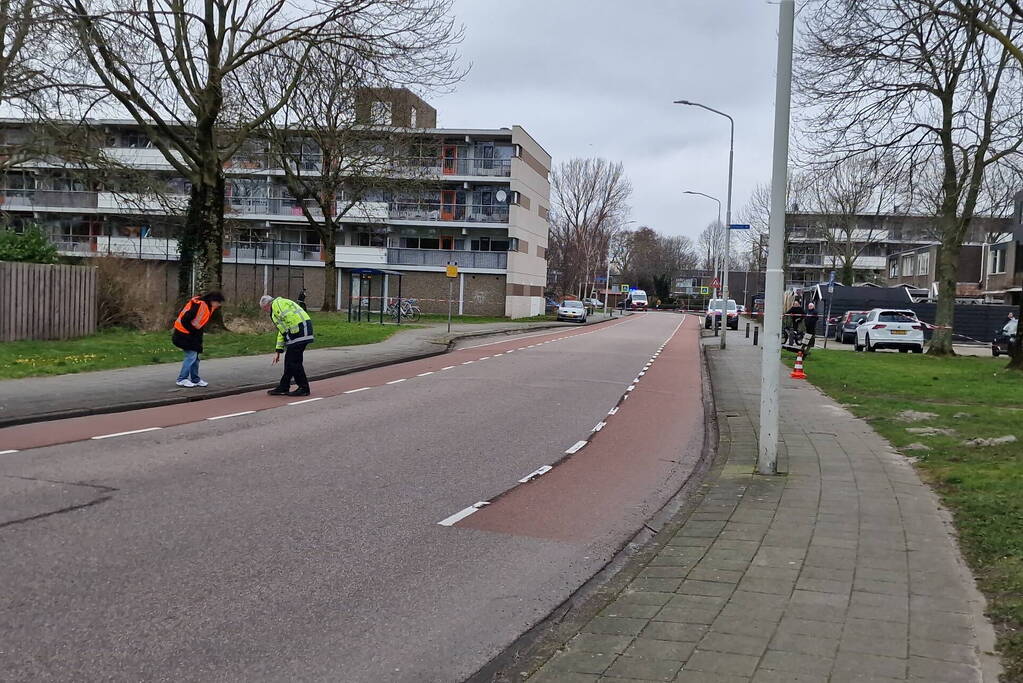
302 542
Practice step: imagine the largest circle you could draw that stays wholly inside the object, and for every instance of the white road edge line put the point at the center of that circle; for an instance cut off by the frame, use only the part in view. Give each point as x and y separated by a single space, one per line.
221 417
538 472
468 362
576 447
398 381
134 431
462 514
613 411
600 425
305 400
9 451
449 367
631 387
424 374
355 391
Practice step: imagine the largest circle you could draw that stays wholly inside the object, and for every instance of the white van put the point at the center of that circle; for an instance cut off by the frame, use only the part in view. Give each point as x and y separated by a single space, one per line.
636 301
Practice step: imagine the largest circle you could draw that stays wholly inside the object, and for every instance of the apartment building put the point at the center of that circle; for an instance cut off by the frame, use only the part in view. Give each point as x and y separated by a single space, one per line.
813 248
484 205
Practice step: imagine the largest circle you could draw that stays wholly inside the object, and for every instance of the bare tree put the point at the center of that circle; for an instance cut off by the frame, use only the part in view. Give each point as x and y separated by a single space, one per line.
897 80
333 159
178 68
841 193
590 204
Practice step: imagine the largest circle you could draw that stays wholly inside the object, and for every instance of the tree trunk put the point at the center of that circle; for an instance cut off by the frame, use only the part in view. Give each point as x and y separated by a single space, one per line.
848 274
329 238
947 272
209 226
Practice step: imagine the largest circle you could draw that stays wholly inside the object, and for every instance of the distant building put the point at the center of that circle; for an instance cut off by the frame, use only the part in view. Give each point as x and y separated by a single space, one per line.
810 255
484 204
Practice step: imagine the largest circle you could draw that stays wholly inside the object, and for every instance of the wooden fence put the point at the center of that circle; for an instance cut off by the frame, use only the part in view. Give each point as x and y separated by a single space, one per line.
40 301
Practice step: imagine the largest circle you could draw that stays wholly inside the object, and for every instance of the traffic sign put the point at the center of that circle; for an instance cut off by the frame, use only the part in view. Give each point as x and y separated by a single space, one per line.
716 284
739 226
704 290
452 270
624 289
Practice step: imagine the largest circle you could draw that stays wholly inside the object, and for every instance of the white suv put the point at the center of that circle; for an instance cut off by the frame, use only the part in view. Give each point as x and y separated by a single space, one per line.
886 328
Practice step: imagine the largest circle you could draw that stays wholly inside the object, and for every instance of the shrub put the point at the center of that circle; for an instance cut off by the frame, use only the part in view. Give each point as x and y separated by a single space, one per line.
130 293
30 245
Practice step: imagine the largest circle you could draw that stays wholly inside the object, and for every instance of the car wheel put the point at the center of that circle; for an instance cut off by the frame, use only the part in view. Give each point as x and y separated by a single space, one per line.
918 349
706 323
866 342
903 350
848 338
856 344
994 352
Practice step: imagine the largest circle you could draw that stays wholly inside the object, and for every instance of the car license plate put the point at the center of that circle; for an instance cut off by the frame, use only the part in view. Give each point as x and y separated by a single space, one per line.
898 332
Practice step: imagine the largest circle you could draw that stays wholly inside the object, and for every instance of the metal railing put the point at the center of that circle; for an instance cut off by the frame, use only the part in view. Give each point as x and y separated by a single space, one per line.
460 166
475 213
48 198
496 260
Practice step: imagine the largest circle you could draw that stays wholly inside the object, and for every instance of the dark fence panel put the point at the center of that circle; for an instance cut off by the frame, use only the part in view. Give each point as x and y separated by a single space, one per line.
46 301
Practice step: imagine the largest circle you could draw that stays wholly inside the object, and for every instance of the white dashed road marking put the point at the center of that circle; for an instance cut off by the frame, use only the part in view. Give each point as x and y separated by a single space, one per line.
462 514
222 417
397 381
536 473
9 451
134 431
306 400
576 447
355 391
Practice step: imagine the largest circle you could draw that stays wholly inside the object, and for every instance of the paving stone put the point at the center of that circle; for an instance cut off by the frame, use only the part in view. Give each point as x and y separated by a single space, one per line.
735 643
870 665
824 586
685 676
935 670
804 597
549 675
666 630
722 662
626 609
596 642
704 602
745 626
687 615
660 649
770 676
941 631
875 645
718 575
948 652
774 586
811 627
580 661
645 597
662 572
655 585
615 626
881 587
693 587
644 669
804 644
779 660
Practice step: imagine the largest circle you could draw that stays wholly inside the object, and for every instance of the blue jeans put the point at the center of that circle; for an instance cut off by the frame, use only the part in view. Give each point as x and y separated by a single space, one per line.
190 368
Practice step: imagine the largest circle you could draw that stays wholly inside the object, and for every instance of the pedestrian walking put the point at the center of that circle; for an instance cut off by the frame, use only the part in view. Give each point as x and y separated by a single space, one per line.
294 333
810 321
188 333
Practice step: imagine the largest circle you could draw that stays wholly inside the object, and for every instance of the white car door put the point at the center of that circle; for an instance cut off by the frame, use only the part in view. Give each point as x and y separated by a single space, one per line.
861 330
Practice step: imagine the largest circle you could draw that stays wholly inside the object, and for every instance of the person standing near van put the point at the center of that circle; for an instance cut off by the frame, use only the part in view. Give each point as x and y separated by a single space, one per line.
294 333
188 332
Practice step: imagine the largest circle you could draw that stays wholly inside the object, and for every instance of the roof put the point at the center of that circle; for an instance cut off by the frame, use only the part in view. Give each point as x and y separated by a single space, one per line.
863 298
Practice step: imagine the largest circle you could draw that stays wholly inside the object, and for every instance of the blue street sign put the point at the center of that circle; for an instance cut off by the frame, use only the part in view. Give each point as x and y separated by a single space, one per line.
739 226
831 278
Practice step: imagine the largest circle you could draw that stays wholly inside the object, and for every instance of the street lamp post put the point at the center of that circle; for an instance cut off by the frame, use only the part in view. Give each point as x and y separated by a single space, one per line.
767 458
728 210
713 241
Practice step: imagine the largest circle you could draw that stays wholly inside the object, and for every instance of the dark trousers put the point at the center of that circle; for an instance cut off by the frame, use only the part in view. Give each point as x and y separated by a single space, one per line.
293 368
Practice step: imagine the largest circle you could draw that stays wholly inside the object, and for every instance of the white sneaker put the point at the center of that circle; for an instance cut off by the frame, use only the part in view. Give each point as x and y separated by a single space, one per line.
185 383
201 383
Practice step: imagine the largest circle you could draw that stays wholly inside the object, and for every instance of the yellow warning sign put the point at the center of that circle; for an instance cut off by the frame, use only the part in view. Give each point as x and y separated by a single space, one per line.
452 271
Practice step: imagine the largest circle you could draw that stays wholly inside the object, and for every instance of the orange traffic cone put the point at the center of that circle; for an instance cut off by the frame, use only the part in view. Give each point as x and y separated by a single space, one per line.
797 372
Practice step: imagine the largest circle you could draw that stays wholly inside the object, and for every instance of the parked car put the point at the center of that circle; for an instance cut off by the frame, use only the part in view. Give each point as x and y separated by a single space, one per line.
716 308
572 310
742 309
550 306
845 327
886 328
593 303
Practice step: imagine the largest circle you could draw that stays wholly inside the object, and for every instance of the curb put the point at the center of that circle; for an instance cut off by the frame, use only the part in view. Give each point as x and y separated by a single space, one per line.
530 651
447 344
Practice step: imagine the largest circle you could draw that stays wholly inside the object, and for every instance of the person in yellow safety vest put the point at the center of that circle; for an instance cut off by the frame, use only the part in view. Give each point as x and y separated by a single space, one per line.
187 335
294 333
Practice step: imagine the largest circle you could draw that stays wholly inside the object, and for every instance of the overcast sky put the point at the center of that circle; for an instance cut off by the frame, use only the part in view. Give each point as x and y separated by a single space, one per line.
597 78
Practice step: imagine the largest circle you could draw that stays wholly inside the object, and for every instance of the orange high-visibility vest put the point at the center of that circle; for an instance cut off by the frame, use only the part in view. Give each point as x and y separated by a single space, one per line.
202 316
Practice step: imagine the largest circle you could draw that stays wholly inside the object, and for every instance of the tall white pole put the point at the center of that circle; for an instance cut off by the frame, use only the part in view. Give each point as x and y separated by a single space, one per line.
728 232
607 279
717 253
770 365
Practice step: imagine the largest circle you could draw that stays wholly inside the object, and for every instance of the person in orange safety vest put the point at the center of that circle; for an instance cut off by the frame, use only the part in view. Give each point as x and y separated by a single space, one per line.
187 335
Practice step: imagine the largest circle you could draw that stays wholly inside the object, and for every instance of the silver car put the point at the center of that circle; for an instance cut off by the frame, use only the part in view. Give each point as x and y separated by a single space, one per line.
572 310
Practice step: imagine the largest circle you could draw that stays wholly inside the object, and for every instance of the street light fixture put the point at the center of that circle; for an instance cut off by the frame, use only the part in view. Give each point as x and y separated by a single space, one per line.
728 210
713 242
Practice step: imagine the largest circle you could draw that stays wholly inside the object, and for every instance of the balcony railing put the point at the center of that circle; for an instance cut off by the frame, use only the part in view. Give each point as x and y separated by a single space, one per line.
496 260
475 213
48 199
461 166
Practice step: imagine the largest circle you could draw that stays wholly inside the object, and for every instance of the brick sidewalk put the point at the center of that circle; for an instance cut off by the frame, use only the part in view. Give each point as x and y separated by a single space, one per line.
842 569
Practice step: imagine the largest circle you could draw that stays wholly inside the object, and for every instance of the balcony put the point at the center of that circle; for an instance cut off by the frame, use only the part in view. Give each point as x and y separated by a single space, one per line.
47 199
148 158
493 260
135 202
470 213
463 166
358 255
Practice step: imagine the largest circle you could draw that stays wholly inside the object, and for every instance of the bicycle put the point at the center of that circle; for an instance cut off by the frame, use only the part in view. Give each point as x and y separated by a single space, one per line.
409 309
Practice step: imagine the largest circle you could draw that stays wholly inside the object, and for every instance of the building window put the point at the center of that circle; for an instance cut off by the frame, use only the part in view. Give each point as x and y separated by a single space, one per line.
997 259
381 114
923 263
907 265
893 268
414 117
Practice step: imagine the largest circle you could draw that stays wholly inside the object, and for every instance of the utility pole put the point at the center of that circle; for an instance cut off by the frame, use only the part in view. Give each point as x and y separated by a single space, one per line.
770 365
